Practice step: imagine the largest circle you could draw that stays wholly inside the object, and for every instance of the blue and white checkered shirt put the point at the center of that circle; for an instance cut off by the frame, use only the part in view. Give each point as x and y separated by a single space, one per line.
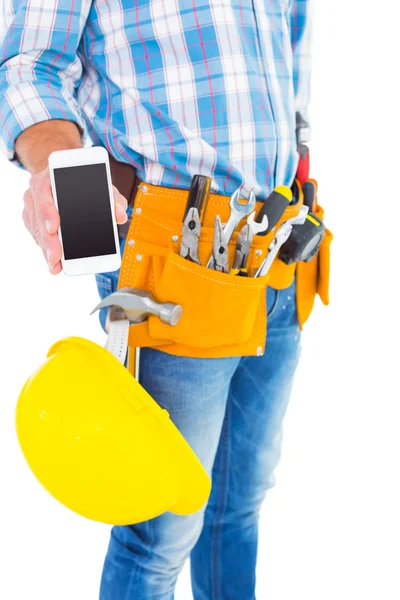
173 87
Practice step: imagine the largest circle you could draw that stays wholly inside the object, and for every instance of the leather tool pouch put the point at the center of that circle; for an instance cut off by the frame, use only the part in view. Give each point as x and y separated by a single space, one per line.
223 315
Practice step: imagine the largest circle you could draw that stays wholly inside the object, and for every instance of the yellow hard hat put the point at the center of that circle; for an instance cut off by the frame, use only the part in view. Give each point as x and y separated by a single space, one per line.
100 444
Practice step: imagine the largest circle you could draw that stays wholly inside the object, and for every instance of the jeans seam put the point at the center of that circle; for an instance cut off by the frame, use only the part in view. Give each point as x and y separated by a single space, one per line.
139 566
216 535
275 304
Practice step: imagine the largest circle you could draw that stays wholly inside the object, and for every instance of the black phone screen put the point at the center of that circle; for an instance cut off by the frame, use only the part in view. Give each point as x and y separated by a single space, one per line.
85 211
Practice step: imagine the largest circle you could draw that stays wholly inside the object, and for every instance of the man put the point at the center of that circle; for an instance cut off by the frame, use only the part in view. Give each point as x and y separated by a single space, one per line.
174 89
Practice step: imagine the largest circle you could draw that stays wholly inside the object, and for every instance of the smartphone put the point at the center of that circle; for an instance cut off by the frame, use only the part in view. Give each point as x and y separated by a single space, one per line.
82 191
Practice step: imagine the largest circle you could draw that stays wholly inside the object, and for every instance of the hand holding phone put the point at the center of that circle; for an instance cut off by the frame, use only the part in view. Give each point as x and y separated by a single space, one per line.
42 218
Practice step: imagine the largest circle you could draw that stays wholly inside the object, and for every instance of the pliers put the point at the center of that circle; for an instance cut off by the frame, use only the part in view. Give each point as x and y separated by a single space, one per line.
220 260
190 236
243 244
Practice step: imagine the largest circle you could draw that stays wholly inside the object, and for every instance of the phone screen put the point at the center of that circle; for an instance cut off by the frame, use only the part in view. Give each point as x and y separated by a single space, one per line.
85 211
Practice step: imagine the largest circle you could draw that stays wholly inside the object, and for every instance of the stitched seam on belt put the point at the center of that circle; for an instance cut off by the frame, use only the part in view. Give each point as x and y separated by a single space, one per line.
228 283
224 201
156 190
263 332
162 225
128 261
152 282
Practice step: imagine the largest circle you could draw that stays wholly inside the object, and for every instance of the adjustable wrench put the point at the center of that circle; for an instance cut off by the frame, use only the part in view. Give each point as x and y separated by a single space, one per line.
280 238
238 212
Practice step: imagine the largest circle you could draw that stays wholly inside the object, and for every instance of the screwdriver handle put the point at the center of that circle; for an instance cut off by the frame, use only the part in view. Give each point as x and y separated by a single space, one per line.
198 195
274 207
310 193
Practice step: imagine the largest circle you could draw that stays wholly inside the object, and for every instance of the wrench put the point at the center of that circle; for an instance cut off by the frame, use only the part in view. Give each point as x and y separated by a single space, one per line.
280 238
245 239
238 212
255 227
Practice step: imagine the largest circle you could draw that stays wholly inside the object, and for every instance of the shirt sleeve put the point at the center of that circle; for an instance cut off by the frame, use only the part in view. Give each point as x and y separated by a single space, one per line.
301 44
39 66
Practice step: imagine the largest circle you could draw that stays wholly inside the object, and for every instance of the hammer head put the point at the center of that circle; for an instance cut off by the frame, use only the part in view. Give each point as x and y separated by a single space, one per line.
138 304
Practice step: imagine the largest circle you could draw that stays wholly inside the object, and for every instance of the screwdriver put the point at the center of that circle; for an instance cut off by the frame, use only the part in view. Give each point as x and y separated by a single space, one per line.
274 207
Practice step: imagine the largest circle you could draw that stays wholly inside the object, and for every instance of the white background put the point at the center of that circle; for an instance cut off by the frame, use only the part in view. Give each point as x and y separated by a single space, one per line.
331 527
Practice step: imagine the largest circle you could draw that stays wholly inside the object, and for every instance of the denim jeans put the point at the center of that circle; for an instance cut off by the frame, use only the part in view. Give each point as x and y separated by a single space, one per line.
230 410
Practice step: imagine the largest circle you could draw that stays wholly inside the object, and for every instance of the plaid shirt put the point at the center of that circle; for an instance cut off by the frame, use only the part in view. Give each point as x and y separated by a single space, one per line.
173 87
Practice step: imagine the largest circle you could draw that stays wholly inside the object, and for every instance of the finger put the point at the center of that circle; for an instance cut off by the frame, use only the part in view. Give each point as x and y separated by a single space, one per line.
26 219
120 215
52 250
119 198
47 216
46 221
121 204
31 225
28 224
28 214
56 269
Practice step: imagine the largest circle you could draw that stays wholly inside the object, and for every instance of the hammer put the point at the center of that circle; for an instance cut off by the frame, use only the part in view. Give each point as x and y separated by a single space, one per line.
137 305
133 306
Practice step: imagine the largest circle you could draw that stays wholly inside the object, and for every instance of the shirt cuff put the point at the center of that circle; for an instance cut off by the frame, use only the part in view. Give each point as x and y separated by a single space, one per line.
28 103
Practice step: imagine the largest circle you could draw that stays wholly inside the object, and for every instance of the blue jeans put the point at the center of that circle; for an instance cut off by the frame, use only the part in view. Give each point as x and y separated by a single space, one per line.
230 410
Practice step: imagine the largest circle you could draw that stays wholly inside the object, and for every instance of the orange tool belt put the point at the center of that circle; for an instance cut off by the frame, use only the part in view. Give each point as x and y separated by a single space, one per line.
223 315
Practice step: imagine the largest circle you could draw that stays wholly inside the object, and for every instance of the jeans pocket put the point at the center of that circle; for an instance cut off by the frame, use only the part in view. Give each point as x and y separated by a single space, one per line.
104 285
281 304
272 301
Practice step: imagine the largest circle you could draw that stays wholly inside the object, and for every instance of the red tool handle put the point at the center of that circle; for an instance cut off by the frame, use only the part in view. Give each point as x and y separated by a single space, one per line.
303 169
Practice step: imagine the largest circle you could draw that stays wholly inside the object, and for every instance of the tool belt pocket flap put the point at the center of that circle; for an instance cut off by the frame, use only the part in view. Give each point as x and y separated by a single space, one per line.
313 277
324 267
218 309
